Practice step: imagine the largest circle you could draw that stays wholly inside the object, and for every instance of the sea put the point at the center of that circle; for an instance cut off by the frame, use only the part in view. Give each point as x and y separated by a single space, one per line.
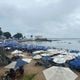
64 43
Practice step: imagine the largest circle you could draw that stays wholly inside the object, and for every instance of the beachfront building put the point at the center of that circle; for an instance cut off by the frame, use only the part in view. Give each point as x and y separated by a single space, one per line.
41 38
38 37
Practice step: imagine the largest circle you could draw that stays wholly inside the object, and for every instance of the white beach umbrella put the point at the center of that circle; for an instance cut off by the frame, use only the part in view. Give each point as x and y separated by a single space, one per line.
27 60
69 56
53 51
76 54
16 52
59 73
11 65
59 59
22 55
37 57
45 54
65 52
63 58
38 52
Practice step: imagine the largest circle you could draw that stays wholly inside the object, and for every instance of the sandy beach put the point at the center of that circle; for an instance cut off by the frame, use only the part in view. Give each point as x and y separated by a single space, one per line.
32 69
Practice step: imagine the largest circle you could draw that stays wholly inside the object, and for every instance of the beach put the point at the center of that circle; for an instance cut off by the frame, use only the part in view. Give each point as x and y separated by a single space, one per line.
31 68
40 56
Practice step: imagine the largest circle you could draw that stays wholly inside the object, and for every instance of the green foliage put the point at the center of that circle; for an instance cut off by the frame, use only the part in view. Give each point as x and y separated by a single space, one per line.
1 32
3 58
7 35
29 77
2 52
18 36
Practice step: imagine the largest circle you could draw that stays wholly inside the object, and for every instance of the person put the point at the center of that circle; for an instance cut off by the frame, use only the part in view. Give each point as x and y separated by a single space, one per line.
21 70
12 74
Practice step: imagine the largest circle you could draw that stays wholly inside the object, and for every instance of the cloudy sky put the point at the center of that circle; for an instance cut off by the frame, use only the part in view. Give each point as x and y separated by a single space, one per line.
50 18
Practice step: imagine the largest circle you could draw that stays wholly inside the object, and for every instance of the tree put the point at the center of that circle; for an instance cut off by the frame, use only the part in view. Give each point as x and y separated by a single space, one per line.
18 36
7 35
1 33
31 36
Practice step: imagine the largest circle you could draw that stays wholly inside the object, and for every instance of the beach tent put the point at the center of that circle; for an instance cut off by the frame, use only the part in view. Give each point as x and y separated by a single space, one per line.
36 57
18 63
16 52
59 73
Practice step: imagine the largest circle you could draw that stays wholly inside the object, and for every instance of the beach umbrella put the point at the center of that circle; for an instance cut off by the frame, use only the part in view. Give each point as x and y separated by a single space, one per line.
59 73
62 58
45 54
77 54
38 52
16 52
75 64
11 65
47 58
22 55
53 51
59 59
27 60
36 57
18 63
2 44
64 53
69 56
11 43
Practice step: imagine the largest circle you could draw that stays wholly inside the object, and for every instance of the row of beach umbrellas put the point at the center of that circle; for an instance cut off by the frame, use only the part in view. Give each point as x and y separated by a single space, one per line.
16 45
61 58
54 72
57 72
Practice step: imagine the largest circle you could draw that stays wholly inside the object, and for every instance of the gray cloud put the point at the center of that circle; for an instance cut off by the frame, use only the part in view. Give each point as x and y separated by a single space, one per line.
52 18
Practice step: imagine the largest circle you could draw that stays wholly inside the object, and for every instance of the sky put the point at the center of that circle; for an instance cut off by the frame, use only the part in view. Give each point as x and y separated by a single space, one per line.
49 18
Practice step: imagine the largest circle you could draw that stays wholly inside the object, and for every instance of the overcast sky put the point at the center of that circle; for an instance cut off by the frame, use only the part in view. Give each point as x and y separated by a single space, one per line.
50 18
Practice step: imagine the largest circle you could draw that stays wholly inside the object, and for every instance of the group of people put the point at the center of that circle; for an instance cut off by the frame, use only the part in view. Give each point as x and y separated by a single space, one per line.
13 74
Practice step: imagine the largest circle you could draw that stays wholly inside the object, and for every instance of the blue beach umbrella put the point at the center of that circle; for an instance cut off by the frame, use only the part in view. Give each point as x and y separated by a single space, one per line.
75 64
11 44
18 63
2 44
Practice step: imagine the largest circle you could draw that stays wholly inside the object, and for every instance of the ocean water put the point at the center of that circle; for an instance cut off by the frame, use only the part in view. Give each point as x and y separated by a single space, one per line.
60 43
